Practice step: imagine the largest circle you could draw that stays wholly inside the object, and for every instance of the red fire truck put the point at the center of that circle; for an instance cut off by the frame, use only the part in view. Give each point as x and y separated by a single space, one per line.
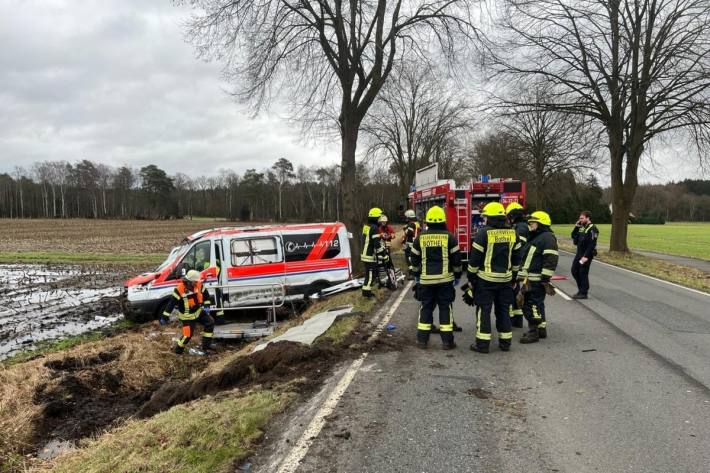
462 204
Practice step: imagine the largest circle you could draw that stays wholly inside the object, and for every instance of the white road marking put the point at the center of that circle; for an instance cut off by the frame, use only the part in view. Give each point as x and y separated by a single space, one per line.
561 293
299 451
647 276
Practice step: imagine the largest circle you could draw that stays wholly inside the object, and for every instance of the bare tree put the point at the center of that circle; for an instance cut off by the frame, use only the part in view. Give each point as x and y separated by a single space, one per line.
415 123
283 172
549 142
332 58
639 68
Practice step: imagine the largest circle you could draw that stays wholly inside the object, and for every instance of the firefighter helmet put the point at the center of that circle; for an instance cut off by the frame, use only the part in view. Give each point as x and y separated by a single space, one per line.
410 214
375 212
493 209
382 219
192 276
540 217
513 206
435 215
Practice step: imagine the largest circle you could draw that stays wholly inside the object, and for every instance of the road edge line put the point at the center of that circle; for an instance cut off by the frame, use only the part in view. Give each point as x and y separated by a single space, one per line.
562 294
293 460
697 291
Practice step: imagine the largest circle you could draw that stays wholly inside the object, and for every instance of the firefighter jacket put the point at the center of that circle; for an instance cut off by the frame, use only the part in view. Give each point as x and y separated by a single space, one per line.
436 257
189 303
411 231
495 253
539 256
521 228
372 245
585 239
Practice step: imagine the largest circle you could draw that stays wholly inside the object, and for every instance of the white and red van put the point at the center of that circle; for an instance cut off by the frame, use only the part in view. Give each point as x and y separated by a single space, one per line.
244 262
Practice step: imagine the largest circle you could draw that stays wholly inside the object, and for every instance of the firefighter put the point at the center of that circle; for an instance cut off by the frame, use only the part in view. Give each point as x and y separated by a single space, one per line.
436 264
411 231
492 267
372 250
539 258
193 303
203 260
385 229
584 236
516 220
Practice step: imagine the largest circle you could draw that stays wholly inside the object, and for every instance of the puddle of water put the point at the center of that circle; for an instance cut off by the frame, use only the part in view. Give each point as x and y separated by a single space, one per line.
42 302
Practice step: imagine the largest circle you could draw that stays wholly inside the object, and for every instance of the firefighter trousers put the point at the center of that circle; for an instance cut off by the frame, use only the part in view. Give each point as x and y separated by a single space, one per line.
580 273
408 257
494 297
431 296
516 313
188 329
534 306
371 272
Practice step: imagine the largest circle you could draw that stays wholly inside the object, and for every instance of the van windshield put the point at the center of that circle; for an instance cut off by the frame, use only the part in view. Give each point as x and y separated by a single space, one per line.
178 250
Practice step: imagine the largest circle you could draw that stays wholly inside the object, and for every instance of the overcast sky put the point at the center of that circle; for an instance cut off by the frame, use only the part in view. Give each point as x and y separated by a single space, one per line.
113 81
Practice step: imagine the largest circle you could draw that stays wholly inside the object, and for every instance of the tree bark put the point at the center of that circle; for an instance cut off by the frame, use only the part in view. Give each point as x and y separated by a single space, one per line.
620 206
348 186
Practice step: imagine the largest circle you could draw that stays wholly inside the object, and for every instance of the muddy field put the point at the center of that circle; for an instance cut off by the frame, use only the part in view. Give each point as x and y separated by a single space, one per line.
98 236
47 302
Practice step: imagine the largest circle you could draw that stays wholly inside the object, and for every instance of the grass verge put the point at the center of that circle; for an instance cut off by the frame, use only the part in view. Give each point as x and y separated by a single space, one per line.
204 436
689 239
683 275
59 257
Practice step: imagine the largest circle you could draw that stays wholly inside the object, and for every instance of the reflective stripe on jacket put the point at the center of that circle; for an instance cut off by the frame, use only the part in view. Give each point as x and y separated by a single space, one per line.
436 257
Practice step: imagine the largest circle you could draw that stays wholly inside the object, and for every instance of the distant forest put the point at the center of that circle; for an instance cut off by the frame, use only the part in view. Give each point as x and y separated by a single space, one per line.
58 189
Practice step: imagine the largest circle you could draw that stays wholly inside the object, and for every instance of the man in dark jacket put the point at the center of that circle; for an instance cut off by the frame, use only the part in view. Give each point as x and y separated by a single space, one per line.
436 265
493 263
539 261
584 236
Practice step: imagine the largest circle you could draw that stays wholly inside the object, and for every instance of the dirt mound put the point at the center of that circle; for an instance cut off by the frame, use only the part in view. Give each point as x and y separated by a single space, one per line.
278 362
83 396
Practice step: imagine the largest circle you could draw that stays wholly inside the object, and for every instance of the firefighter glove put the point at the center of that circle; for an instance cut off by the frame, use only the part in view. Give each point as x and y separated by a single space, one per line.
549 288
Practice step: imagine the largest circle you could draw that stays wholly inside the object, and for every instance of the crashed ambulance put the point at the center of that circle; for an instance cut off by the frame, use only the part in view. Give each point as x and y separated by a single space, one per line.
250 266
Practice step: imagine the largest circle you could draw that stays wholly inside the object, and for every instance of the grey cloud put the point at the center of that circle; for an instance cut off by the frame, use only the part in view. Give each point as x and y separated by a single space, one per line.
113 81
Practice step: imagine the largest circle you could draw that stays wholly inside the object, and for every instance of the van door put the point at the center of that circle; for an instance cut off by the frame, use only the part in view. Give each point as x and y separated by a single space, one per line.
254 264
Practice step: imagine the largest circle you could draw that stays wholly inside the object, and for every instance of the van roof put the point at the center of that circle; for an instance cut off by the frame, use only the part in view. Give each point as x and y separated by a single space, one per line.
226 231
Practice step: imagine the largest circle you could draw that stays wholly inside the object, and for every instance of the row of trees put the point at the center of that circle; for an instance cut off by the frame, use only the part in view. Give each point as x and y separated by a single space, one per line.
628 71
58 189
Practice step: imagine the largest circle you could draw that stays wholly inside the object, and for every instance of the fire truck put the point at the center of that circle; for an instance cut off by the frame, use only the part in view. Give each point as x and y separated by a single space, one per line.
462 204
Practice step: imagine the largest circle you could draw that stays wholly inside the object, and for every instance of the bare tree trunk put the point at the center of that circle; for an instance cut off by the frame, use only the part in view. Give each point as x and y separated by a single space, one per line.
620 207
348 185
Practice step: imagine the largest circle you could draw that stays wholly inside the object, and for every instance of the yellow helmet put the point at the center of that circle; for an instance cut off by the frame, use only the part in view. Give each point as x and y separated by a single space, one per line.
494 209
435 215
540 217
375 212
513 206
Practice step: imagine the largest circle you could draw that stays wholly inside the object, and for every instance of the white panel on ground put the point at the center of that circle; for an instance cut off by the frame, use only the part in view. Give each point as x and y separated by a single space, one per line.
311 328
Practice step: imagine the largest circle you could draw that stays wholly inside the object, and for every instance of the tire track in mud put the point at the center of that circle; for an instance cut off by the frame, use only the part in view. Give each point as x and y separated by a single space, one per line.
40 302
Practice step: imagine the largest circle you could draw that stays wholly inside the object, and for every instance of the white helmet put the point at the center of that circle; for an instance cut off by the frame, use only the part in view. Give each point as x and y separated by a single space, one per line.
382 219
410 214
193 276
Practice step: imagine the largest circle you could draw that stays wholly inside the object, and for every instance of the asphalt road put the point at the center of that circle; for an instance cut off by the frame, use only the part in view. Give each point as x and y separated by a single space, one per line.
621 385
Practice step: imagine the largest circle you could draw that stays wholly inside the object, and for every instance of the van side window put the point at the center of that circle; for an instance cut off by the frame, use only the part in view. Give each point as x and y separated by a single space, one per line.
250 252
298 247
198 257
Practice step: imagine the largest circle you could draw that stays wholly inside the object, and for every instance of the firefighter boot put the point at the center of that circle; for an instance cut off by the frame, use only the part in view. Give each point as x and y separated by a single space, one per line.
208 345
367 294
531 337
179 350
504 345
542 332
480 348
448 346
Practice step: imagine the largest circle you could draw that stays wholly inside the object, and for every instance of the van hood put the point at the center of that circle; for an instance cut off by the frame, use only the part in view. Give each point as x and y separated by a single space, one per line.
139 280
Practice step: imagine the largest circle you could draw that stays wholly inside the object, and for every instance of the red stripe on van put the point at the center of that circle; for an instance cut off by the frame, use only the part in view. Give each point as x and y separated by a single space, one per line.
323 242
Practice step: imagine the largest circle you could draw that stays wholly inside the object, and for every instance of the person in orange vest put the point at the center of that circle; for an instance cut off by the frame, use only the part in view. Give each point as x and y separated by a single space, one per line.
193 303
